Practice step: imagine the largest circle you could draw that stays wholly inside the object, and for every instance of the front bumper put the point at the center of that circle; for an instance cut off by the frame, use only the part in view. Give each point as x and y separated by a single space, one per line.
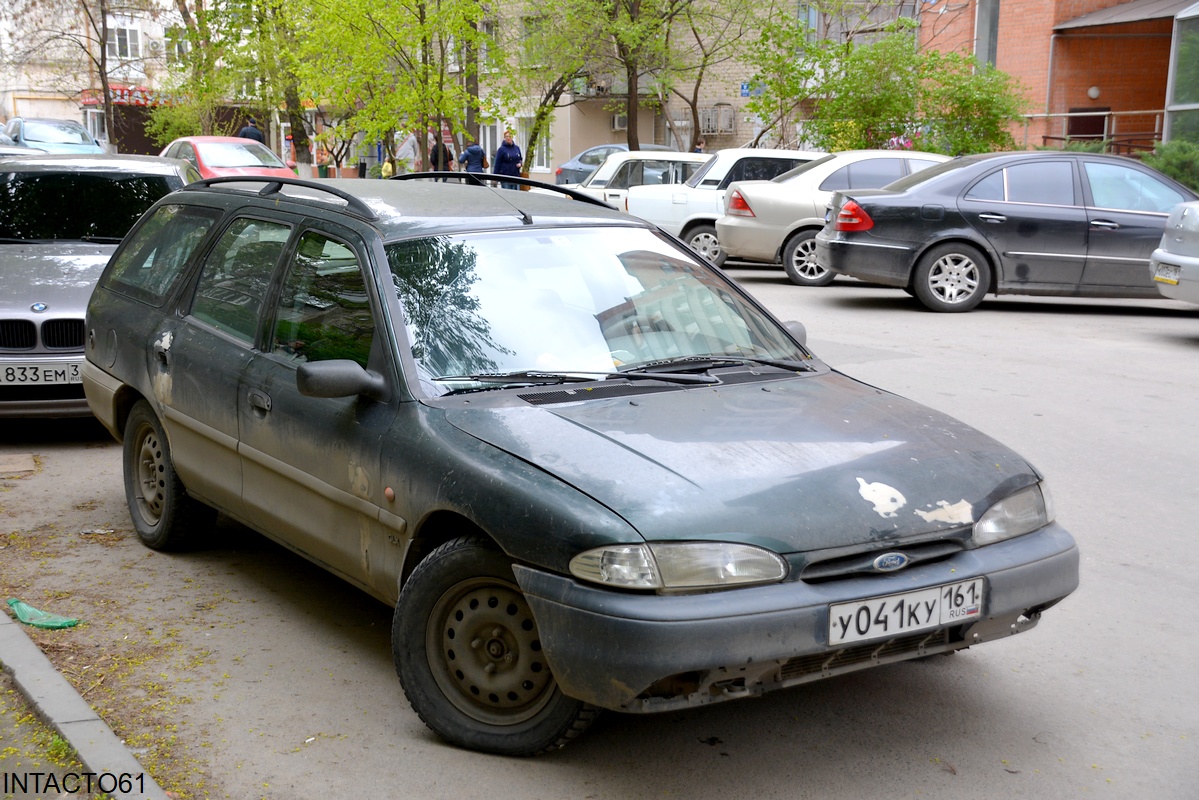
644 653
887 264
42 399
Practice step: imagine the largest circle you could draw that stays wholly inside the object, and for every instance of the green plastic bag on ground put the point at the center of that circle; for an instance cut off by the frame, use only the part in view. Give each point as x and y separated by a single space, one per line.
39 619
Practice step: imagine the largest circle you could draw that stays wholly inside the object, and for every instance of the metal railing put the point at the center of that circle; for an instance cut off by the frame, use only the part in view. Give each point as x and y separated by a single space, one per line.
1124 132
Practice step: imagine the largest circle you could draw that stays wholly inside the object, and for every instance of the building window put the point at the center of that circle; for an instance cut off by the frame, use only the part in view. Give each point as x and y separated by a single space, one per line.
986 31
124 43
539 159
717 119
177 46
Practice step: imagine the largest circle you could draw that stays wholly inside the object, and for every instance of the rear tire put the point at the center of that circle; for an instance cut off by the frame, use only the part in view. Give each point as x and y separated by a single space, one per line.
799 260
703 240
952 277
164 516
467 651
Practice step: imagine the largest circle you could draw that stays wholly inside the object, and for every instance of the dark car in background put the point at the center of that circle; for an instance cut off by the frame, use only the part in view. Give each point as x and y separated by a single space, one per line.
507 415
61 217
1032 223
586 162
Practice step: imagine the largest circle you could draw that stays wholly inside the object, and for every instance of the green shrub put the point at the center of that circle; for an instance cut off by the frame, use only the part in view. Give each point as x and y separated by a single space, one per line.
1177 158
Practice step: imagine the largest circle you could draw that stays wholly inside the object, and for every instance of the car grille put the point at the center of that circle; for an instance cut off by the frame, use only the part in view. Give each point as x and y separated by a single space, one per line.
56 334
17 334
863 563
818 663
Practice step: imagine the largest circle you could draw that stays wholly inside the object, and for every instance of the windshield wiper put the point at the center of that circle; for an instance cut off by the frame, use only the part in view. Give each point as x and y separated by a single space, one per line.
540 378
704 363
102 239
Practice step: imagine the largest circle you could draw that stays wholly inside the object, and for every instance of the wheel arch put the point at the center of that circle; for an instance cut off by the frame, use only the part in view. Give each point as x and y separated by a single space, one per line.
793 231
694 223
435 530
959 238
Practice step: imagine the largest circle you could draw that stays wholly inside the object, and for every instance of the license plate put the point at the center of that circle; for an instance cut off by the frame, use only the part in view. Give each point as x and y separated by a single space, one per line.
1167 273
909 612
36 374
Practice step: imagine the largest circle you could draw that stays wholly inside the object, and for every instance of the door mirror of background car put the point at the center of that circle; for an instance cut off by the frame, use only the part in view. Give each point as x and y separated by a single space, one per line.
339 378
796 329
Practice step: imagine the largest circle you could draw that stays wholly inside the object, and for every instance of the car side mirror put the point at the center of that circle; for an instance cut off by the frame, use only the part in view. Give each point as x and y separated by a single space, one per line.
796 329
339 378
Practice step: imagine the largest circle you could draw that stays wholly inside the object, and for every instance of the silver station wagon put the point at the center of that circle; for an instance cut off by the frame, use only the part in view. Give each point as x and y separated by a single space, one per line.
587 470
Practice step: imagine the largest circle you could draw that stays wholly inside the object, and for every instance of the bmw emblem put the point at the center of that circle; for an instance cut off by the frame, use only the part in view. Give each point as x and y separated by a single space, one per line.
38 307
890 562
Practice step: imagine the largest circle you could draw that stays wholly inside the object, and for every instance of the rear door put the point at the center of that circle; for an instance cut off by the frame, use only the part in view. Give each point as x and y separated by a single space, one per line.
311 465
1127 210
1031 213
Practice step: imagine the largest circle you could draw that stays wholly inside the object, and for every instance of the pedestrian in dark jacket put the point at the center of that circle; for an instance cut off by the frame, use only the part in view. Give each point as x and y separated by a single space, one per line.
441 158
508 160
250 131
473 157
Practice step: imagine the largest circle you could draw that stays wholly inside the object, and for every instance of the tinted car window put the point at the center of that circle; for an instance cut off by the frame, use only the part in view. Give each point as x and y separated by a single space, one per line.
147 266
916 164
1046 182
871 173
324 310
1119 187
236 277
837 181
758 169
989 188
32 204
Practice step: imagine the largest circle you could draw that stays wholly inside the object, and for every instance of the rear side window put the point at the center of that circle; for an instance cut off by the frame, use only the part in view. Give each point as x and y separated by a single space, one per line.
146 267
104 206
237 275
324 309
1046 182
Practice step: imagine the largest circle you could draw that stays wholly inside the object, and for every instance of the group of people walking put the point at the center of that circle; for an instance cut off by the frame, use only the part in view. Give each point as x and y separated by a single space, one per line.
507 160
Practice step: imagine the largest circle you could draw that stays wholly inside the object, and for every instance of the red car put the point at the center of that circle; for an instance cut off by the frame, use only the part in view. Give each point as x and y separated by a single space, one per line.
215 156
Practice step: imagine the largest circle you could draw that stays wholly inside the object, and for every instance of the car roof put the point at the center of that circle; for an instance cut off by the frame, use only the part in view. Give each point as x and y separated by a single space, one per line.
657 155
202 139
399 209
732 152
92 162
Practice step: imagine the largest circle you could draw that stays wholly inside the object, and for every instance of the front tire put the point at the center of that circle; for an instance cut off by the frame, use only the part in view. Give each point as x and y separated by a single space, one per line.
703 240
467 651
952 277
164 516
799 260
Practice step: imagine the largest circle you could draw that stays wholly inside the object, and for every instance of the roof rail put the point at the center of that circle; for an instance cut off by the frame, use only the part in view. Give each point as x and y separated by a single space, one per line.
274 185
490 178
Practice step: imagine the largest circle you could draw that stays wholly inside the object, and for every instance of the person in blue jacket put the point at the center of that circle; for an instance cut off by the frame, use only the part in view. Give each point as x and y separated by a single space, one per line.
473 157
508 160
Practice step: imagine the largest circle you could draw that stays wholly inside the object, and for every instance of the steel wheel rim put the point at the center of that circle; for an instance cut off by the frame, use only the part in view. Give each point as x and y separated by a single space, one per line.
804 261
485 654
953 278
150 490
707 245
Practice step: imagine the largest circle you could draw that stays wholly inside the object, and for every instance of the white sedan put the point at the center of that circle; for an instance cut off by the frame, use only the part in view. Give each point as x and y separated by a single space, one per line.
621 171
690 210
778 219
1174 266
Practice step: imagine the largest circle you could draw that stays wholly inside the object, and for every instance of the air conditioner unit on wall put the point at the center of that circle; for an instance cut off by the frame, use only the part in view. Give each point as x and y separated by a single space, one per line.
155 46
620 122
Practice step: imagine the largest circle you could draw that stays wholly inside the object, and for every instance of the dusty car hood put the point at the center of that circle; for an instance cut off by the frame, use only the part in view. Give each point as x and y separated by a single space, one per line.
811 462
59 274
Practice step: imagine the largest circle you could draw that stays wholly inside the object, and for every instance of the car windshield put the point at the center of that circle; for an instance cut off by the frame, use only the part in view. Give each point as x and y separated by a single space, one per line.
64 132
234 154
802 168
105 204
576 301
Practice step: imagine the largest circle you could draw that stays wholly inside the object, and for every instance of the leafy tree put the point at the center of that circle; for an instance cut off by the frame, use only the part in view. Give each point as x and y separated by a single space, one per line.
788 62
1177 158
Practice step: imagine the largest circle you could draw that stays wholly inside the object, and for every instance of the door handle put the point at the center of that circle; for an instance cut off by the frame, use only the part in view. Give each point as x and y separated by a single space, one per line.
994 218
1102 223
260 400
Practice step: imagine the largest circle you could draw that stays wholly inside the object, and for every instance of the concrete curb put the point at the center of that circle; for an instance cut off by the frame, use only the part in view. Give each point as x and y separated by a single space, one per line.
63 709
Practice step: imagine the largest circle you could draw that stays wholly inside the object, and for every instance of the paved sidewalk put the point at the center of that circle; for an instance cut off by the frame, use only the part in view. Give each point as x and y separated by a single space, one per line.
60 706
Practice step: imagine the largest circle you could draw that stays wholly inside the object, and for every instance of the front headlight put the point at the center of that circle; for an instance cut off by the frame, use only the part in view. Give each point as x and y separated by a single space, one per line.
675 566
1027 510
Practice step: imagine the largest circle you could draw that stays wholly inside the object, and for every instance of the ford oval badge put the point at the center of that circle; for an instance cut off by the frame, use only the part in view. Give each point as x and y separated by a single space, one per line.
890 562
38 307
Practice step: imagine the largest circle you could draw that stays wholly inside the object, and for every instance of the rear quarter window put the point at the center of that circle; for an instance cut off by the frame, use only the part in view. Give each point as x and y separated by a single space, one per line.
149 264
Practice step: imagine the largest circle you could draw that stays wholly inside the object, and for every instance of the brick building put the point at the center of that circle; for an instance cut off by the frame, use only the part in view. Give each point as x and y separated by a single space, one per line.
1102 62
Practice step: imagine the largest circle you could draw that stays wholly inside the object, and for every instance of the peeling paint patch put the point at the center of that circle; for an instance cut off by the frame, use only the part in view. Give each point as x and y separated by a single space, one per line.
887 500
960 513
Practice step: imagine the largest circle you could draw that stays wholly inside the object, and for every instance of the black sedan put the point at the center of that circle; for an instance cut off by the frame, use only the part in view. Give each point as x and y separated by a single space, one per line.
1034 223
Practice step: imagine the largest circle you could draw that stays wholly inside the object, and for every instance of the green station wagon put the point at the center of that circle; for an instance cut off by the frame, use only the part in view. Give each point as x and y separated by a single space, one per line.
587 469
